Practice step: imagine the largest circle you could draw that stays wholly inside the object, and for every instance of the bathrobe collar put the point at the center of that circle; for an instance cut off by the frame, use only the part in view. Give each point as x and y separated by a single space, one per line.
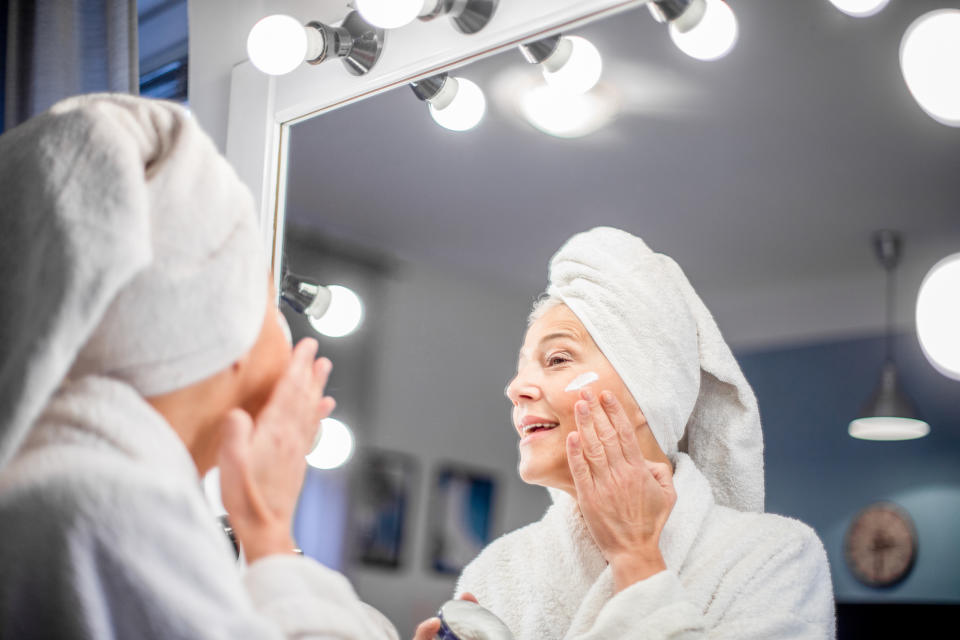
96 408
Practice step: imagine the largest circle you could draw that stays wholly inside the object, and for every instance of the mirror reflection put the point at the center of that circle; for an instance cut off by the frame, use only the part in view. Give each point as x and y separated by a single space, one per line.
764 175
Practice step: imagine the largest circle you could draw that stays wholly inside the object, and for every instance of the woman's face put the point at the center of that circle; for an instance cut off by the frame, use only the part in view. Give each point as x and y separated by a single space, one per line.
557 349
267 360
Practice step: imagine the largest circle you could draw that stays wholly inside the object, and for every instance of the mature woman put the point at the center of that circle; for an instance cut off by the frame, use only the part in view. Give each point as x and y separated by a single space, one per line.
139 347
657 527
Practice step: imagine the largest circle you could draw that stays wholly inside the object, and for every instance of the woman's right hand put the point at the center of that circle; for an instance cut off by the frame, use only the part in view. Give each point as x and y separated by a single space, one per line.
262 460
429 628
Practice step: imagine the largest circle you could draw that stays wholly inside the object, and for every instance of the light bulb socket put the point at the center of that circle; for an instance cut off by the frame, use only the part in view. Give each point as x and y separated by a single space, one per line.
305 296
888 399
468 16
684 15
356 42
888 247
538 51
429 88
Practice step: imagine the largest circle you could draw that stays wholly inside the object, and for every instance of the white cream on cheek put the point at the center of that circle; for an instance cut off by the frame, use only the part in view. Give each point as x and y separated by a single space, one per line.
582 380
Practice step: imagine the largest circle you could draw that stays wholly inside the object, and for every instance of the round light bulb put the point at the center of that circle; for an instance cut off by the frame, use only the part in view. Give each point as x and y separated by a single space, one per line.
342 317
566 115
389 14
334 447
938 316
930 62
581 69
466 109
277 44
713 37
859 8
883 428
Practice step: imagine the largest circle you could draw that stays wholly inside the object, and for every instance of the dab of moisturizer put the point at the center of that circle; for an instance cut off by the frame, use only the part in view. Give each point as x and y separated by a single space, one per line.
582 380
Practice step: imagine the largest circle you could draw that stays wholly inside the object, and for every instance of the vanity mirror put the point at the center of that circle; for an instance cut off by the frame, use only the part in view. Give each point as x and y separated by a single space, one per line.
761 173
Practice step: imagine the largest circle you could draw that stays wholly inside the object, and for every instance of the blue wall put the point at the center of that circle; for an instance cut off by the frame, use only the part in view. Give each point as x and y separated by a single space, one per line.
819 474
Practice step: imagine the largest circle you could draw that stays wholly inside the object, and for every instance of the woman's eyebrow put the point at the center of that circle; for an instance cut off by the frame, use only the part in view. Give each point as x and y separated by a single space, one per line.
559 335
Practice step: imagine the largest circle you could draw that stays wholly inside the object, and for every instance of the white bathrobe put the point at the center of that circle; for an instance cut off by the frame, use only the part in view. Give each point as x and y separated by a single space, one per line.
730 574
102 515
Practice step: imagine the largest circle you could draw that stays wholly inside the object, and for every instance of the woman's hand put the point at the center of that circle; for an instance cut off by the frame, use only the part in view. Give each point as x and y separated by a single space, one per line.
625 499
429 628
262 460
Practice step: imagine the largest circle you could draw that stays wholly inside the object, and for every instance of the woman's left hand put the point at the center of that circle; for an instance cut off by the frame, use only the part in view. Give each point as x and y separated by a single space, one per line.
625 499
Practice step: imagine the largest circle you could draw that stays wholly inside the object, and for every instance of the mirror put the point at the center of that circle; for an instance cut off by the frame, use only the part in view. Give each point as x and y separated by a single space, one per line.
762 174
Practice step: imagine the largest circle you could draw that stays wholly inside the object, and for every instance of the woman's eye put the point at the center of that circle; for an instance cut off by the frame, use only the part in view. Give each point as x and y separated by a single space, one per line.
556 360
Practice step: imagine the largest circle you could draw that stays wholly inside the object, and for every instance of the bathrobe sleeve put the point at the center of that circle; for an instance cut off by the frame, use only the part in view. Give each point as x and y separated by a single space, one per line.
784 592
100 559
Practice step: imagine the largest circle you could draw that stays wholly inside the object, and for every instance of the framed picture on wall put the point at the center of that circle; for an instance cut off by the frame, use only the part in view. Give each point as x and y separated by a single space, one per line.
383 483
461 520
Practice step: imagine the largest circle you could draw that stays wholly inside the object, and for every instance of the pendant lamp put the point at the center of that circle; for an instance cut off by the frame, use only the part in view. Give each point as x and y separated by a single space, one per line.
888 414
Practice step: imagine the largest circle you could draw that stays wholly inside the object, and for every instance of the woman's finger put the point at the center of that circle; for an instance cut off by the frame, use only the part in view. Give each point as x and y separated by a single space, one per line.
579 469
427 629
626 430
606 432
589 443
466 595
303 356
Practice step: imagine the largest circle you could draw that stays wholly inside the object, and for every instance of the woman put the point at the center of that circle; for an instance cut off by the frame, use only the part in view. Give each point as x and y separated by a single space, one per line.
139 347
655 469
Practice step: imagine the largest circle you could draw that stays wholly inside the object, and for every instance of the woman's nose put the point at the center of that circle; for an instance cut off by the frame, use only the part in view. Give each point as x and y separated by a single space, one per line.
522 388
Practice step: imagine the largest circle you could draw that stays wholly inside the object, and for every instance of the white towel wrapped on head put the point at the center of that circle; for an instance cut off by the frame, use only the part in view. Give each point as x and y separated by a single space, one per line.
129 248
644 315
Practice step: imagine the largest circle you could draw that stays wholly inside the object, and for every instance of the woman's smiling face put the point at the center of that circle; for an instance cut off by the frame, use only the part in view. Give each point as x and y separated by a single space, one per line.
557 349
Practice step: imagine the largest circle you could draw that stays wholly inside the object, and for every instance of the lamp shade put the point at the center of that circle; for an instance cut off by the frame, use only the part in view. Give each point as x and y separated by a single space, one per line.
889 414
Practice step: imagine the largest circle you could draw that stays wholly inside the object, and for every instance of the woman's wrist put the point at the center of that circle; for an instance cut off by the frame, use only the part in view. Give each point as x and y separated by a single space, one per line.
260 543
632 568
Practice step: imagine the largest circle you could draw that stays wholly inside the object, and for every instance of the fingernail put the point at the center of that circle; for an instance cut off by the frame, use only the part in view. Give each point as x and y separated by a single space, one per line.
588 395
607 397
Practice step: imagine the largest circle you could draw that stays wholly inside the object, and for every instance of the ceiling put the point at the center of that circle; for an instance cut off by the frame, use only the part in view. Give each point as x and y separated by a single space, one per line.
767 168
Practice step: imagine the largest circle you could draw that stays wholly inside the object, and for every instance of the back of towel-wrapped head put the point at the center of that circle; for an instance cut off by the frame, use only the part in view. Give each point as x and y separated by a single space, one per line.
644 315
129 249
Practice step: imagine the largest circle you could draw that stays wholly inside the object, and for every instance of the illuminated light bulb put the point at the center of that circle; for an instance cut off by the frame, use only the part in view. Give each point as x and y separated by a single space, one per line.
938 316
860 8
930 62
459 106
334 446
574 67
566 115
713 37
391 14
277 44
341 317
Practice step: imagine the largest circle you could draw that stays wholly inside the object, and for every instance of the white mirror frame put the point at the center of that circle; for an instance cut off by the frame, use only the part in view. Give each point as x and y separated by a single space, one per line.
263 108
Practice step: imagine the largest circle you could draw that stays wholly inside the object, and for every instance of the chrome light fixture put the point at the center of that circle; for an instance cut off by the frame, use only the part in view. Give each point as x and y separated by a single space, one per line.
888 414
570 63
332 310
702 29
278 44
455 103
468 16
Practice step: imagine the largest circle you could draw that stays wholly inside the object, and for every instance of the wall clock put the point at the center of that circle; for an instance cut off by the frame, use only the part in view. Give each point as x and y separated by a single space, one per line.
881 545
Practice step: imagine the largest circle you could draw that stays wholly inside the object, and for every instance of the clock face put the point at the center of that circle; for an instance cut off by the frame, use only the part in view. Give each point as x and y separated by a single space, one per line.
881 545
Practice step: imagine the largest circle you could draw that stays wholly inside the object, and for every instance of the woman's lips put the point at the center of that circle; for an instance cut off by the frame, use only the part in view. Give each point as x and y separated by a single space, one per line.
536 430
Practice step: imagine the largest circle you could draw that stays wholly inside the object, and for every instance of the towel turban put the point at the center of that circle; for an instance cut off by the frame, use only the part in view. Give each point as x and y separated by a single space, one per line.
129 248
644 315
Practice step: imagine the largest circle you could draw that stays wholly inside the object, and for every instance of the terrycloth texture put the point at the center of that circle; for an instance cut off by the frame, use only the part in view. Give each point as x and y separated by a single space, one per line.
729 574
657 334
128 248
106 534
